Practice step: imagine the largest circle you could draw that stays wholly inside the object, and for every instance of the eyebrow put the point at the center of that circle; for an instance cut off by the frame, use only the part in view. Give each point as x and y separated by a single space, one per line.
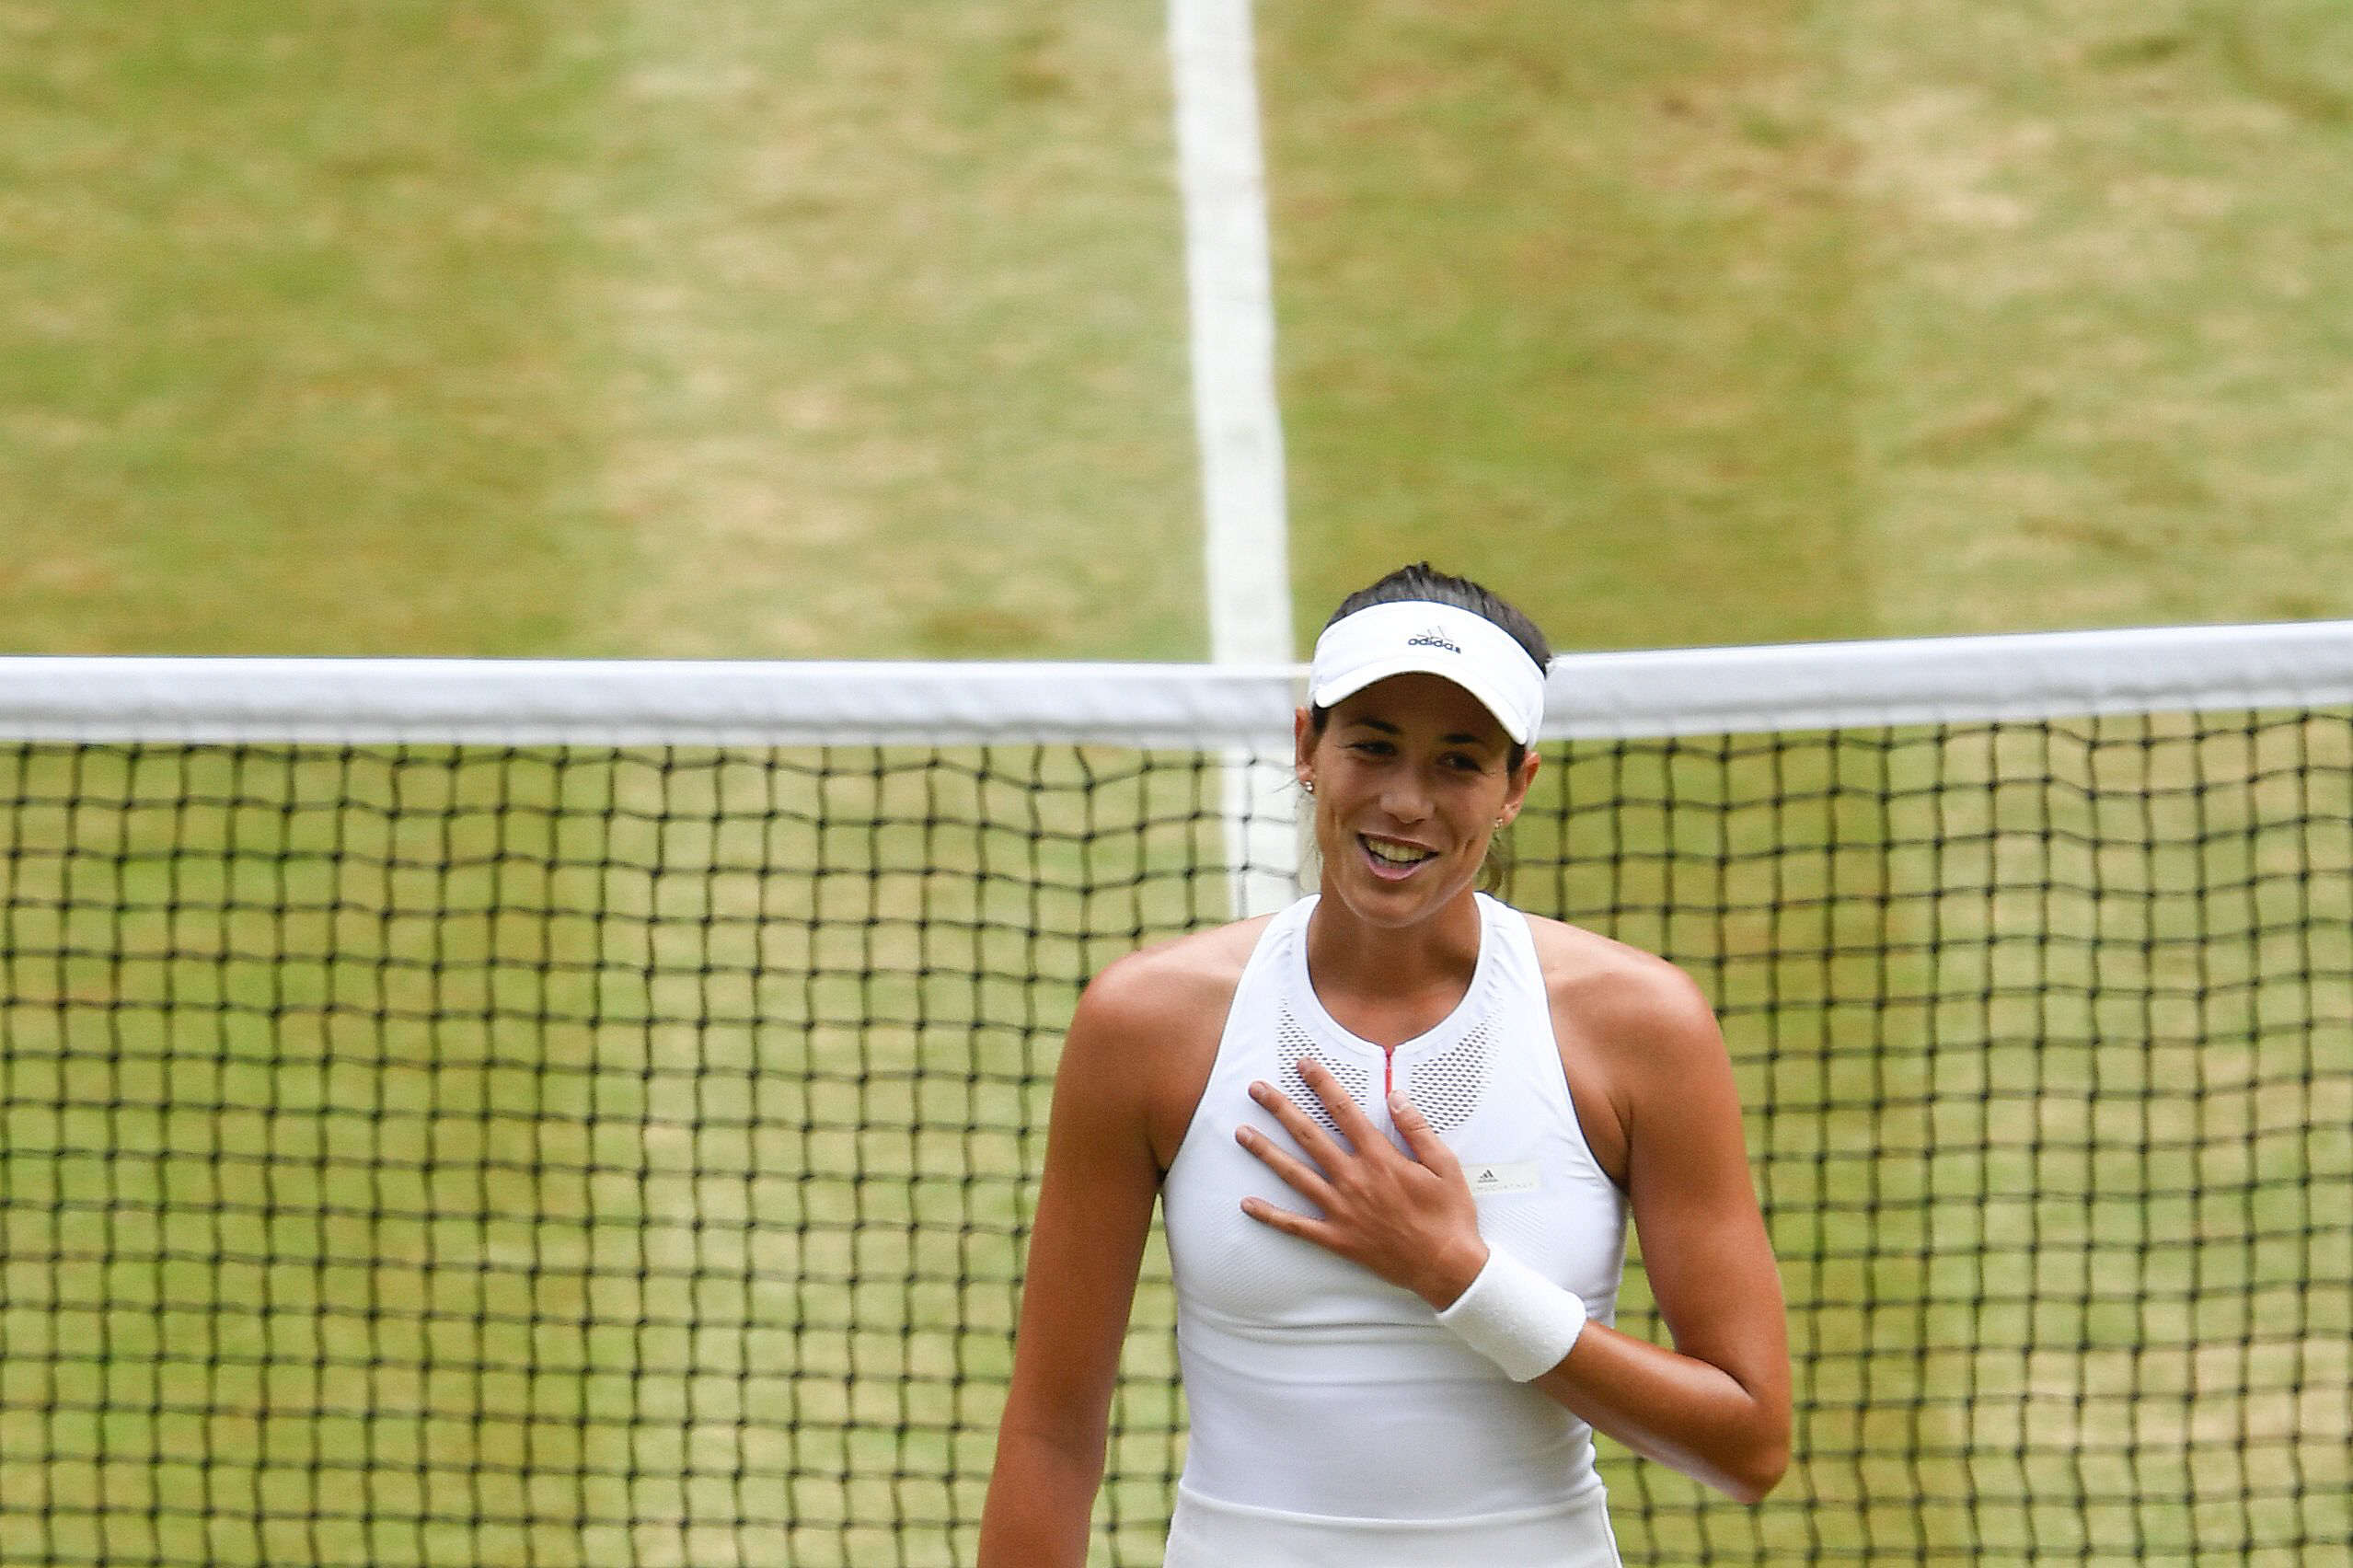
1459 738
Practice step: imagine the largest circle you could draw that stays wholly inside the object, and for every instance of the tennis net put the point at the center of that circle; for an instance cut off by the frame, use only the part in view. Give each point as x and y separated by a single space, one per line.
587 1113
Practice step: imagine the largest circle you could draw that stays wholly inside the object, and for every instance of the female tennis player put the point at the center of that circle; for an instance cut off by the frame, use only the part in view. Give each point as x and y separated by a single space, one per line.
1397 1131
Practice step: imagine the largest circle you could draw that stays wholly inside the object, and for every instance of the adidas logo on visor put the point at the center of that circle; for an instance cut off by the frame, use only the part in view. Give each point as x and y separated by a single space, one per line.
1434 638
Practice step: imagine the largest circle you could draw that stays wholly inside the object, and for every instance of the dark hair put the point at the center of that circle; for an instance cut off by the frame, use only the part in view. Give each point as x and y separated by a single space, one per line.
1424 584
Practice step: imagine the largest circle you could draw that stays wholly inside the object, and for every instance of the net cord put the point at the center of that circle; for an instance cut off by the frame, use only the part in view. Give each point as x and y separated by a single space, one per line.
1590 696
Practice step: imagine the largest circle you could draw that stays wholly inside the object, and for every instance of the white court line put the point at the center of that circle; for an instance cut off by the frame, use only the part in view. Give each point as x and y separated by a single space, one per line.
1222 171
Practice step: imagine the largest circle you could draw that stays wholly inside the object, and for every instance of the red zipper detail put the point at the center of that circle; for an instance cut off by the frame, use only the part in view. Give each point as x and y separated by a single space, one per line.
1387 1088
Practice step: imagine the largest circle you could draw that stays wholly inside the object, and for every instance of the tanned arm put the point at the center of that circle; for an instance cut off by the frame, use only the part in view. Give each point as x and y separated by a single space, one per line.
1094 1211
1717 1406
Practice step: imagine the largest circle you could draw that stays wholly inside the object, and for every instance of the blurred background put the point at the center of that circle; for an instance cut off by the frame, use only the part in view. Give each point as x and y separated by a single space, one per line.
812 328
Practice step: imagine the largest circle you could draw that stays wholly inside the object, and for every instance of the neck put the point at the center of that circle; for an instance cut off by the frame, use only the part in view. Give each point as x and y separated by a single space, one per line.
1388 984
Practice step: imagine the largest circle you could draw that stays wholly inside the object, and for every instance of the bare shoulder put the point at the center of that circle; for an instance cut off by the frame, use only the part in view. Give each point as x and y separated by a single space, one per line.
1626 1017
1614 986
1148 1026
1170 984
1638 1040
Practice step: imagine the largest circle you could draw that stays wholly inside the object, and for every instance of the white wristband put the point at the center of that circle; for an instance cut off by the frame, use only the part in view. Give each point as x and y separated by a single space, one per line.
1515 1318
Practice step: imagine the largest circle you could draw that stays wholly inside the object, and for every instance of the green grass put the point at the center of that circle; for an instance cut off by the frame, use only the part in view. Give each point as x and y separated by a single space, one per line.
1567 300
1699 322
507 328
292 359
515 327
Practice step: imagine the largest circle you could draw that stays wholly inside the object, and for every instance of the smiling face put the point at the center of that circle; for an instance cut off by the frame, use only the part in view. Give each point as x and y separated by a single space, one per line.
1411 779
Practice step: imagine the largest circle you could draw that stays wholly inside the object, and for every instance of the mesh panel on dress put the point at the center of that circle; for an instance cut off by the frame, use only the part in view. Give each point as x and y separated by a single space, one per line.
1293 1043
1446 1088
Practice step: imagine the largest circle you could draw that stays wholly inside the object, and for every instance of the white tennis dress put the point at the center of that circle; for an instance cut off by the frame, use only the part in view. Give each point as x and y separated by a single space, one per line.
1334 1423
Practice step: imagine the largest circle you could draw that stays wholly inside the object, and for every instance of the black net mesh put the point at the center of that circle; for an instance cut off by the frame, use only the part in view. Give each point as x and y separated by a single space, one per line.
575 1156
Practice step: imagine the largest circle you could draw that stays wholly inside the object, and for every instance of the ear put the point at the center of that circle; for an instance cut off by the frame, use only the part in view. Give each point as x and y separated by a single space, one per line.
1302 748
1517 795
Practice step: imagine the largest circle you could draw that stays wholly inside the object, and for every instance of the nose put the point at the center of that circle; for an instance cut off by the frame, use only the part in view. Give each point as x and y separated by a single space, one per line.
1404 797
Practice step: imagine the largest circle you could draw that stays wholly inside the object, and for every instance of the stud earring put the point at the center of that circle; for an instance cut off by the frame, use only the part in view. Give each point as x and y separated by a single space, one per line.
1308 785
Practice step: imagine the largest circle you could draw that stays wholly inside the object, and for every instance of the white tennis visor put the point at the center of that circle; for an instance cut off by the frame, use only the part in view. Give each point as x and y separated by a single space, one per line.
1472 651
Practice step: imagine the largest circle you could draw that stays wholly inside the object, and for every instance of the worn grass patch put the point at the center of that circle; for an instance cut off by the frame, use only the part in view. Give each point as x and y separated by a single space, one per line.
1565 302
516 328
2105 320
291 358
900 333
1701 322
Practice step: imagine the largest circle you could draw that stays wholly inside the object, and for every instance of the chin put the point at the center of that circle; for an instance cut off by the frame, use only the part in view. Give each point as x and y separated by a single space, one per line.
1387 904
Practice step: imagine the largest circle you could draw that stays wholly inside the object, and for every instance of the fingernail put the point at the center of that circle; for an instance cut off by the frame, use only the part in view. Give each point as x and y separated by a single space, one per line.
1397 1101
1258 1092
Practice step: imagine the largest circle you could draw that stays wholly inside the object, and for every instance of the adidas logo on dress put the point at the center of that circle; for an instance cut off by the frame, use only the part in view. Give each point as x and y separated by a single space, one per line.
1504 1176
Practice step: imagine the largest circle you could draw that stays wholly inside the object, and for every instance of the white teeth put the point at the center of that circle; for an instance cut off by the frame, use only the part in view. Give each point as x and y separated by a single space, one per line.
1397 854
